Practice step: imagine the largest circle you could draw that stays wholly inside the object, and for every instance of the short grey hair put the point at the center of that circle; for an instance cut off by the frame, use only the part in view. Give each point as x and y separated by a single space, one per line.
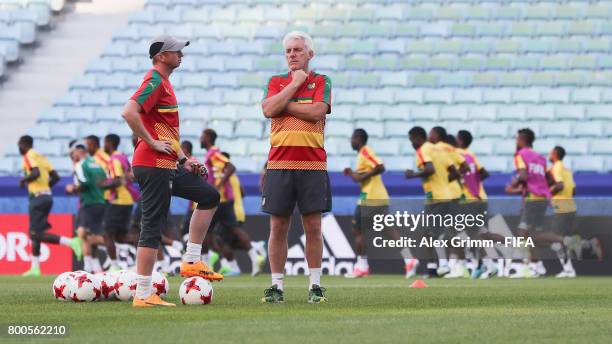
299 35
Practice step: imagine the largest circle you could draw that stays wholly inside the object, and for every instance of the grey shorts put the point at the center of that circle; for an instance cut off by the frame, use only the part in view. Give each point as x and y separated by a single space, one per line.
91 218
533 215
158 185
563 223
39 209
283 189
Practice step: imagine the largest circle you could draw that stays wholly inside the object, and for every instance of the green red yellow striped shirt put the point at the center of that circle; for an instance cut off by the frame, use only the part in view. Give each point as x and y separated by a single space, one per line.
297 144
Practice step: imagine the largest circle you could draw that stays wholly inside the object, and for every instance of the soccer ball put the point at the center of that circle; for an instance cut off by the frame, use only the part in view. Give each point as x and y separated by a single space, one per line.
125 288
60 288
196 291
107 285
84 287
160 284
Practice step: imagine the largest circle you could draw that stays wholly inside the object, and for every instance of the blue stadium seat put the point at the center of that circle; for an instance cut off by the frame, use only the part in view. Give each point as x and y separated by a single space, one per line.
603 112
467 96
484 113
578 146
79 114
556 129
397 129
374 129
109 113
601 146
225 113
249 129
494 163
483 147
384 147
195 113
497 96
571 112
8 166
258 148
224 80
121 129
338 128
409 96
380 96
68 99
342 112
455 112
251 48
398 163
212 97
511 113
10 50
492 129
587 163
439 96
428 113
52 114
99 129
553 95
338 164
540 112
586 128
63 165
345 96
368 112
223 128
585 95
63 130
87 81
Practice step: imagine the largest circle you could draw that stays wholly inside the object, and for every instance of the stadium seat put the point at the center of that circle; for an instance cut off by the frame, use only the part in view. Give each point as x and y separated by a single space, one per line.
338 128
79 114
397 129
494 163
109 114
492 129
249 129
587 129
457 112
587 163
338 164
40 131
556 129
487 113
53 114
7 166
603 112
63 131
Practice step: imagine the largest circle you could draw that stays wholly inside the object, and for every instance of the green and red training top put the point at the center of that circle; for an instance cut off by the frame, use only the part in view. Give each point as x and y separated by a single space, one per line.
160 118
297 144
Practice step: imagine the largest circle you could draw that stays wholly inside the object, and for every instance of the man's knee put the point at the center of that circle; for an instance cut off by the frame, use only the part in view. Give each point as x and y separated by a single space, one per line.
312 223
209 200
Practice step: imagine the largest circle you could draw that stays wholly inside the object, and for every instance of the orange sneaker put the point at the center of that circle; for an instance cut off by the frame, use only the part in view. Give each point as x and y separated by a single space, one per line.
151 301
199 269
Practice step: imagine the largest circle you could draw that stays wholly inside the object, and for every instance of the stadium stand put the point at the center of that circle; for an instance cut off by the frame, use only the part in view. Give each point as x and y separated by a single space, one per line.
487 66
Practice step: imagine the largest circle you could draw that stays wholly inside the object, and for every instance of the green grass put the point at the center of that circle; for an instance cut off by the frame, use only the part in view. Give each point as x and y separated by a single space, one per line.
376 309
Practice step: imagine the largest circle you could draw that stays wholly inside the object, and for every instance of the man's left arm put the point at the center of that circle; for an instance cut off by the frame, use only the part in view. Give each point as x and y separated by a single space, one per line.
321 103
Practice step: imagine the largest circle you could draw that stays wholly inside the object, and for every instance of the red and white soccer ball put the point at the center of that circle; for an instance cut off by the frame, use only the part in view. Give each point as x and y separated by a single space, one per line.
61 288
196 291
160 284
84 287
125 287
108 280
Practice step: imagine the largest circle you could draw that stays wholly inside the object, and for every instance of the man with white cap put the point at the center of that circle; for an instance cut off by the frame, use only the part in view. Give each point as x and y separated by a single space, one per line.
163 170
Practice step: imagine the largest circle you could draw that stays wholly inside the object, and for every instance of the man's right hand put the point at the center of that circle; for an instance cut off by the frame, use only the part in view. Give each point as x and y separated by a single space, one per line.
298 77
161 146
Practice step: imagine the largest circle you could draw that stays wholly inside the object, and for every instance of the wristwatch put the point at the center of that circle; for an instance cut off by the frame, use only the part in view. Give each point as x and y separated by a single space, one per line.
182 161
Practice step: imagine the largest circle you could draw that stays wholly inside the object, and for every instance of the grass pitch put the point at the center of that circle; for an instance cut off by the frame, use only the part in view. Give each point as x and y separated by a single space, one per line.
375 309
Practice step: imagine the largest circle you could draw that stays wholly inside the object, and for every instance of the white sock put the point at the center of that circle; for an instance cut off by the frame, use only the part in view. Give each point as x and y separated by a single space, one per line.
35 262
157 266
362 262
277 279
315 277
568 266
114 263
65 241
193 252
143 286
443 262
204 258
87 263
253 254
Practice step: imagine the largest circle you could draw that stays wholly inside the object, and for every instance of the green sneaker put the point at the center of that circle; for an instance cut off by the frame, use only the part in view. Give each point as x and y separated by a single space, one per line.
33 272
77 247
273 295
213 258
315 295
